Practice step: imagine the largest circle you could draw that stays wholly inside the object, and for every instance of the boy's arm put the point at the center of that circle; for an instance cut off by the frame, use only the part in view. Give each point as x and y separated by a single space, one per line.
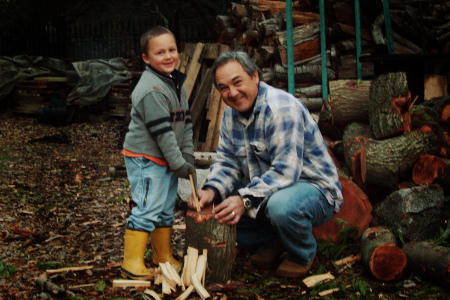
157 119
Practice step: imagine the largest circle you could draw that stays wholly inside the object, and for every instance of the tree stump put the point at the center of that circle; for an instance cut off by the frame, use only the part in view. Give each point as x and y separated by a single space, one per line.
203 231
381 255
429 261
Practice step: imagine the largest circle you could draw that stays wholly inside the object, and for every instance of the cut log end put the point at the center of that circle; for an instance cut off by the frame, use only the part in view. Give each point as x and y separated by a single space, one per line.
387 262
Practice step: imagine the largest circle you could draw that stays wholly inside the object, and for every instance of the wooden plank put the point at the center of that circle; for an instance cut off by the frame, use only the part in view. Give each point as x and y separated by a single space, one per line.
212 116
198 103
193 69
212 50
130 283
217 128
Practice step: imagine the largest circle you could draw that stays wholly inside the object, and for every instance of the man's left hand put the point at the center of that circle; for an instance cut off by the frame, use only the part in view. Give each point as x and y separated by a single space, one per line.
230 210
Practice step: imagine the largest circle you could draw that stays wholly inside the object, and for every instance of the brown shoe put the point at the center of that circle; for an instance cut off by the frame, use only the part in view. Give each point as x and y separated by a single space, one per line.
291 269
269 258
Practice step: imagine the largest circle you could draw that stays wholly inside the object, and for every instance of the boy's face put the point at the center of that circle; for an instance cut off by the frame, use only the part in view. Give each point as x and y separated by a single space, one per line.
162 53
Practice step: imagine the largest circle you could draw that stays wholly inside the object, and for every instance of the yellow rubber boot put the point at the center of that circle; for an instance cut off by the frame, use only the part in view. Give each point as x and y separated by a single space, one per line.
162 252
133 257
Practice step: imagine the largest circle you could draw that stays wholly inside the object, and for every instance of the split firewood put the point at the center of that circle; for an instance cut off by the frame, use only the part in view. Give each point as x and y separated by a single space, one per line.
186 293
152 293
203 293
130 283
431 262
313 280
190 266
380 254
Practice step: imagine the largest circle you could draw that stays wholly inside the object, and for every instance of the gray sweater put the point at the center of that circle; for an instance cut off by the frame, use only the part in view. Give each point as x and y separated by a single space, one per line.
161 124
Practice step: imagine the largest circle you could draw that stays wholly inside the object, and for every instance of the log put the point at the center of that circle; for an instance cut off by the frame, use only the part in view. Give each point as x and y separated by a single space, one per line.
300 33
349 100
203 231
441 105
347 67
308 48
312 104
435 86
354 135
303 73
431 262
389 105
430 169
388 161
416 213
298 18
310 91
356 211
239 10
380 254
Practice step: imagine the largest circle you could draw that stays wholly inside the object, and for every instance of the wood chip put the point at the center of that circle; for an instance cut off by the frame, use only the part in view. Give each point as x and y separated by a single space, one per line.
130 283
312 280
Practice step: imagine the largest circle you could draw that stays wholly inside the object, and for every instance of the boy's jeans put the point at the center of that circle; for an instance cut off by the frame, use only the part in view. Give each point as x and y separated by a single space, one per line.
288 217
154 190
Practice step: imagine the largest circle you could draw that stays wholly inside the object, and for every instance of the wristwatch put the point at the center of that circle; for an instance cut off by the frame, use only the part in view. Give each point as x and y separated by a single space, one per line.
247 203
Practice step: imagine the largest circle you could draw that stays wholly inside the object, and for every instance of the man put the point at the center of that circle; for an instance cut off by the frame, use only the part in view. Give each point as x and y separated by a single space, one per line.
272 176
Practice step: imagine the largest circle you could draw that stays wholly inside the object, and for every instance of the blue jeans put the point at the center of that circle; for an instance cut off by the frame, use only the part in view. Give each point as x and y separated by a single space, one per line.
288 218
154 190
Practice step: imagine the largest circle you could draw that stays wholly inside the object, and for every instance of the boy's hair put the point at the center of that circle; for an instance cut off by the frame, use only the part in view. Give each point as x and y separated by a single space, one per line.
151 33
241 57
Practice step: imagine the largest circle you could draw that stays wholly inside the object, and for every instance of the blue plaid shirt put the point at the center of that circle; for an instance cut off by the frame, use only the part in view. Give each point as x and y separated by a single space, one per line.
279 145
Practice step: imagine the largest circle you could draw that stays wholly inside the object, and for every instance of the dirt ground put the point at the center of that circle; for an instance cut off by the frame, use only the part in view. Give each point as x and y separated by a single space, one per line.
64 204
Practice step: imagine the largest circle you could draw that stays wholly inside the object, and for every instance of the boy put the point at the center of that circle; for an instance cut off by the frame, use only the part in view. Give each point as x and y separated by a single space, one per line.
158 149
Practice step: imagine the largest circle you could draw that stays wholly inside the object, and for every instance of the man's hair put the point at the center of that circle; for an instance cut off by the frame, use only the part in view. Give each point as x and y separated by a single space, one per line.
241 57
151 33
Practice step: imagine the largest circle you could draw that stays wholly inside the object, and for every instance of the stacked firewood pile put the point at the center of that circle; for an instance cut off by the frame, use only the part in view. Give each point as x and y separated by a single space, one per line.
259 27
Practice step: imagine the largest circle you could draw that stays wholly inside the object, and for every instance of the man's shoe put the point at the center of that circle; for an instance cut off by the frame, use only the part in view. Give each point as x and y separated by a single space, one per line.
291 269
268 258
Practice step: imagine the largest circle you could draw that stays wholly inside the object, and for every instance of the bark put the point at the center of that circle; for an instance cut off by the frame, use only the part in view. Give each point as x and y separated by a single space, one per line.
203 231
431 262
301 33
313 104
356 211
381 255
354 135
298 18
386 162
349 101
389 105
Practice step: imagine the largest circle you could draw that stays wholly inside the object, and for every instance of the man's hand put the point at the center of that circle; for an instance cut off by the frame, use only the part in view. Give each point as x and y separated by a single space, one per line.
230 210
205 197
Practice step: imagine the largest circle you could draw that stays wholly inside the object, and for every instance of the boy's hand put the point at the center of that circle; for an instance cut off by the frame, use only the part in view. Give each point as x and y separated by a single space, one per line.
189 158
185 170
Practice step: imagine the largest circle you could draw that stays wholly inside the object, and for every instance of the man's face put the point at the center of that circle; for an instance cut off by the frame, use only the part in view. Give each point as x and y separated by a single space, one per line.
162 53
237 88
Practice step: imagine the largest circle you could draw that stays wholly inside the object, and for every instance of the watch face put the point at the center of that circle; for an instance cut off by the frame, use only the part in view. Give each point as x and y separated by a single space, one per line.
247 203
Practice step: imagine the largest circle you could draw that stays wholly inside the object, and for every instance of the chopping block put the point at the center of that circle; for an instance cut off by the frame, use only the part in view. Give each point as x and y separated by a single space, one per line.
203 231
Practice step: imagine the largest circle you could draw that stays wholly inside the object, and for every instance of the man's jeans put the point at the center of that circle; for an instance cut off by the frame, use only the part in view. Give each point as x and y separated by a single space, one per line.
154 190
288 217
